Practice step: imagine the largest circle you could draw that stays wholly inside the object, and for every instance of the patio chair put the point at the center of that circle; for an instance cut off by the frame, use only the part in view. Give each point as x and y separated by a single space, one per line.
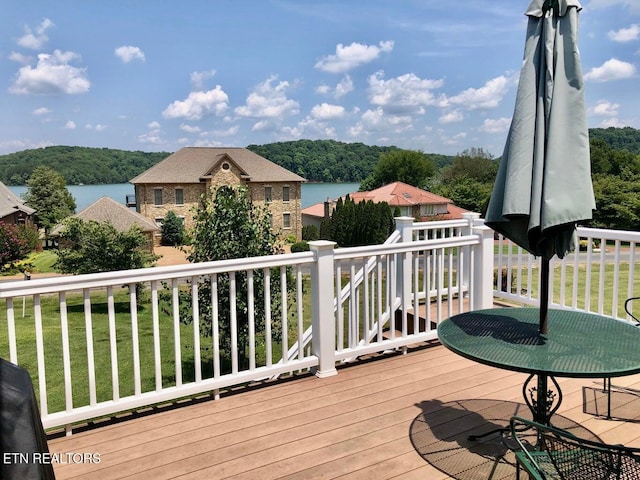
607 380
558 454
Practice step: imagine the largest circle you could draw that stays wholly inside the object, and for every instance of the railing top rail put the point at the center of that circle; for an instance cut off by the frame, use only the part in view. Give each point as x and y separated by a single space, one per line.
354 252
622 235
440 224
10 289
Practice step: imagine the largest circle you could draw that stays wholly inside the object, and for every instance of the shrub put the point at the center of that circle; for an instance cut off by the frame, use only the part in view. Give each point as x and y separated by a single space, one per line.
310 233
300 247
13 246
172 230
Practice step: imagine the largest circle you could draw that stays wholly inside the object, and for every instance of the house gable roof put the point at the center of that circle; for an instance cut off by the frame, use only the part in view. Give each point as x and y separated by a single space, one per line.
401 195
106 209
192 164
11 203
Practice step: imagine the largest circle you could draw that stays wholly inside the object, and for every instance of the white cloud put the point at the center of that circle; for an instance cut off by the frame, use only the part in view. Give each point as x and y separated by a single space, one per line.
488 96
323 90
98 127
189 128
41 111
128 53
407 93
53 74
612 69
625 34
606 109
199 105
326 111
70 125
351 56
261 126
229 132
269 101
20 58
153 125
35 40
452 117
345 86
198 79
613 122
497 125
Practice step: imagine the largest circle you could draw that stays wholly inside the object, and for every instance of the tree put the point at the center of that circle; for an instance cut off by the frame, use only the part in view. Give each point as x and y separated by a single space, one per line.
172 230
89 247
227 226
408 166
363 223
47 193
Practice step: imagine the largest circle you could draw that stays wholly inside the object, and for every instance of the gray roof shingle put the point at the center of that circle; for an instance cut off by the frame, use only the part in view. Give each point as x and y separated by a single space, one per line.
106 209
191 164
11 203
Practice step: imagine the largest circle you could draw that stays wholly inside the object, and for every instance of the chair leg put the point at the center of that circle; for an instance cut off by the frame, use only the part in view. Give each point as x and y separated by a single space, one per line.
607 391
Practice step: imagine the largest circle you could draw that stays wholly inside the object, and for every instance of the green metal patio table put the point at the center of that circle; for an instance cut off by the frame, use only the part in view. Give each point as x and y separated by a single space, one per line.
577 345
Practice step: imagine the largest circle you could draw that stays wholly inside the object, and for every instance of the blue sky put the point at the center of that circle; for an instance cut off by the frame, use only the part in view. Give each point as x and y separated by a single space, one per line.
157 75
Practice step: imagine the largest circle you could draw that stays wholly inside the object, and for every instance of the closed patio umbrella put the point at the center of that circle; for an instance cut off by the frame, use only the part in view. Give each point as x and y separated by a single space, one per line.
543 187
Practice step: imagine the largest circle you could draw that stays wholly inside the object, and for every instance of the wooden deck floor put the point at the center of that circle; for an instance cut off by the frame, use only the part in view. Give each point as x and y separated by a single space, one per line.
394 417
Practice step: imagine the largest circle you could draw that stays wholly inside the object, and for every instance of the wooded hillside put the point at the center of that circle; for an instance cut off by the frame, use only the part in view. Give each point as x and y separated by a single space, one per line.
315 160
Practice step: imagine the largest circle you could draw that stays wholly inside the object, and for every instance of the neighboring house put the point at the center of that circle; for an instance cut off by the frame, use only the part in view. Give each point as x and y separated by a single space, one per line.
13 210
411 201
178 182
106 209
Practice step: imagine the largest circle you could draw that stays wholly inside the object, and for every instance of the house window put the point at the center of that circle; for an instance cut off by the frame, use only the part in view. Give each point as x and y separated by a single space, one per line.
427 209
286 220
157 197
179 196
267 194
285 193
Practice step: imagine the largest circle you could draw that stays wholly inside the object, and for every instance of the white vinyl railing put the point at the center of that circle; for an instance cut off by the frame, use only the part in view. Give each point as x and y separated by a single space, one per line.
598 278
105 343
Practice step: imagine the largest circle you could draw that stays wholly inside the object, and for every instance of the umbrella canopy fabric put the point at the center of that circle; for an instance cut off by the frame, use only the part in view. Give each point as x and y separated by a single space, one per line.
543 187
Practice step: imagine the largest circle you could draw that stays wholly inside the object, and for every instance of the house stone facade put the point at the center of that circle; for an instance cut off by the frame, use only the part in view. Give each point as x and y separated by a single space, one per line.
178 182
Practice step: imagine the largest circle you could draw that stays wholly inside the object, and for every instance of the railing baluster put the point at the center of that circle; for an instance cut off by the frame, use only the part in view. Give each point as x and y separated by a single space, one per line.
155 320
66 356
267 318
285 313
300 311
91 366
11 331
113 344
42 377
215 326
233 316
177 344
252 321
197 361
135 343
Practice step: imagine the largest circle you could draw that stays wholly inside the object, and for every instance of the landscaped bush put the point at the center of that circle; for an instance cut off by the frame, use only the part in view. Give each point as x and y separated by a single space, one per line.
13 245
300 247
172 230
310 233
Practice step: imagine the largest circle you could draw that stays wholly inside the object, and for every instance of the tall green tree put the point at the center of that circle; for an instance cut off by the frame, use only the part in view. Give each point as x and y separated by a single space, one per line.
172 230
408 166
363 223
47 193
227 226
90 247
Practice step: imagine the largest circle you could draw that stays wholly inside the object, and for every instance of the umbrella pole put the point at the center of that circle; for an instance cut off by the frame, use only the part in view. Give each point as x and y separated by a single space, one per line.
544 294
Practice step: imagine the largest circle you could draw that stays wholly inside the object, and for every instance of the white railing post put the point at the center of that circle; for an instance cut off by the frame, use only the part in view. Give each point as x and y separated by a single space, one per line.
405 226
471 218
322 297
483 269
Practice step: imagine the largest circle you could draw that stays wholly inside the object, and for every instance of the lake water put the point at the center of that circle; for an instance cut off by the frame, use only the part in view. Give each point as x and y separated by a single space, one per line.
85 195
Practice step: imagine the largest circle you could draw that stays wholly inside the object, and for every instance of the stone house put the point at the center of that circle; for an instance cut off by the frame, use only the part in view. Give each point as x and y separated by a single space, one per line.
178 182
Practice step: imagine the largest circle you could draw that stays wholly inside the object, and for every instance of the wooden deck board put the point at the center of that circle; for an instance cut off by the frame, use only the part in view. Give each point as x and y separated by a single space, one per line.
350 426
